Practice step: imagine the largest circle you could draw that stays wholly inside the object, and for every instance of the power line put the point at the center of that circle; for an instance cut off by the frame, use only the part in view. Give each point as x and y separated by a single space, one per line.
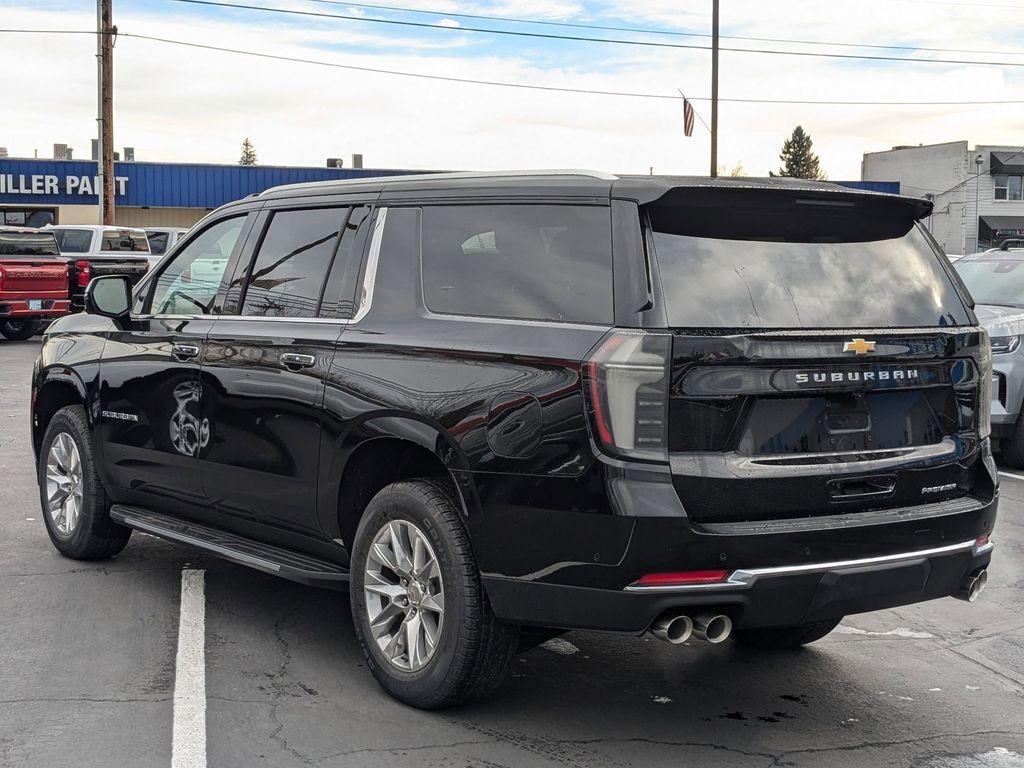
51 31
665 32
606 40
552 88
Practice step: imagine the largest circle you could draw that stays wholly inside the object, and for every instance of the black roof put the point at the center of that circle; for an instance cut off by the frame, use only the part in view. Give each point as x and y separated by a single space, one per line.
642 189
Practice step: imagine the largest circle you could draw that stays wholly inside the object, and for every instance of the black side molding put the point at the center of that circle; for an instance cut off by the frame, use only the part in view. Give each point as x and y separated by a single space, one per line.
295 566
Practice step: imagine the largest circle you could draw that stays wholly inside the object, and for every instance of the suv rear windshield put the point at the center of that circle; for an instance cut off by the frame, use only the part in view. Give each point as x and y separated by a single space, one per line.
28 244
799 266
73 240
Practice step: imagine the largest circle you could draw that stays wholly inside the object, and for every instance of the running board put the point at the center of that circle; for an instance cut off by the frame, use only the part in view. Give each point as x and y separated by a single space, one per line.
296 566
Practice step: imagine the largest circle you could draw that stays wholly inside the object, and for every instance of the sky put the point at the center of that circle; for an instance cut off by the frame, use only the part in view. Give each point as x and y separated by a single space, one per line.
181 104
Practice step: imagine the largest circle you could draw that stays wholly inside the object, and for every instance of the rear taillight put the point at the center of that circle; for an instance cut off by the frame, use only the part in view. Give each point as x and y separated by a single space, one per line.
83 273
627 380
1 278
985 387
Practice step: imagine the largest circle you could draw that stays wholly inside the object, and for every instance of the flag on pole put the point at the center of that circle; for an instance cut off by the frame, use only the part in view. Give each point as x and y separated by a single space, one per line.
687 117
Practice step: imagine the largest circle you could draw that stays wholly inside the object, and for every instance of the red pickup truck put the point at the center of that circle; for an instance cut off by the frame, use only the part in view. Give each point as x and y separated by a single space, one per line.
33 281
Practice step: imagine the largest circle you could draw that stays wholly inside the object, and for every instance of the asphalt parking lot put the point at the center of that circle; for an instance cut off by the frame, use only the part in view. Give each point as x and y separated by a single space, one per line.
88 666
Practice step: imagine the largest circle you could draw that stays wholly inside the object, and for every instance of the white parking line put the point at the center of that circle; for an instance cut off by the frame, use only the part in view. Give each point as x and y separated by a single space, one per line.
188 744
1010 474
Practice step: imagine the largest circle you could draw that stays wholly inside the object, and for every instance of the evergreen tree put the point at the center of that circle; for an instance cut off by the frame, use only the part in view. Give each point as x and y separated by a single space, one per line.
798 161
248 153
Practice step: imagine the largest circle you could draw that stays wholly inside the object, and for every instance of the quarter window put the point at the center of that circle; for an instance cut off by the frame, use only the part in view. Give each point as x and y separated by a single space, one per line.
530 262
189 283
288 275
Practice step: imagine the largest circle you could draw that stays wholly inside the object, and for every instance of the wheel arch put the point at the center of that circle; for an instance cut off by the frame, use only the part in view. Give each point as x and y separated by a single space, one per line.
56 390
391 449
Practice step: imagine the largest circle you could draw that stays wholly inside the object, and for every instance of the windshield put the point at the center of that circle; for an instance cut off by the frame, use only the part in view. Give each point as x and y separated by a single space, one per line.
73 240
785 266
994 280
28 244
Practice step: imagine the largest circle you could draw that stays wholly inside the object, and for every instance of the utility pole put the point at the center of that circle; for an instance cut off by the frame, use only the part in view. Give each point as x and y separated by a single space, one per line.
105 32
714 88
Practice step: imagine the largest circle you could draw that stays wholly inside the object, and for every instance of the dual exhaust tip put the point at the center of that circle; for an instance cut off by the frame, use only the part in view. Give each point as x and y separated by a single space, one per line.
972 586
678 628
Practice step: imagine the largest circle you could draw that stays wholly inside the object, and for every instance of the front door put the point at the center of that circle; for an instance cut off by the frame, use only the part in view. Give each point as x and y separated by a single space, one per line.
263 373
150 424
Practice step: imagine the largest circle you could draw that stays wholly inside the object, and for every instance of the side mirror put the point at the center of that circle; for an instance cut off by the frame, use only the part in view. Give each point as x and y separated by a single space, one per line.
109 296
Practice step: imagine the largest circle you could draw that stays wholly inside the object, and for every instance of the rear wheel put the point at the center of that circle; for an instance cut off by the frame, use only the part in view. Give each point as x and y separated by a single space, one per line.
19 330
781 638
75 504
420 612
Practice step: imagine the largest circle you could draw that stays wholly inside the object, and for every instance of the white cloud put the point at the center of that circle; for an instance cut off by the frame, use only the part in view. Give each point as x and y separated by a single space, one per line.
174 103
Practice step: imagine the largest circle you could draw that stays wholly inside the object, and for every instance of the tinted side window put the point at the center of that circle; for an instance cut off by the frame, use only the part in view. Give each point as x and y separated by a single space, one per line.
340 293
531 262
189 283
124 240
157 242
289 271
73 240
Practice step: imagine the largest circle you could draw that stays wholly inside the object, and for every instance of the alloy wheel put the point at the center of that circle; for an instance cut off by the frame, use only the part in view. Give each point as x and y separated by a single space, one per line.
404 595
64 484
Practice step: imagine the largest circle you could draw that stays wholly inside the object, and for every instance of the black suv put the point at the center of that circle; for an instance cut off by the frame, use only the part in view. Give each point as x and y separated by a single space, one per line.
495 407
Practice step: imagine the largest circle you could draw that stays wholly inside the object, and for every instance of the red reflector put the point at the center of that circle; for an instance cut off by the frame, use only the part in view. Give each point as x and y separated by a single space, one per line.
682 577
981 541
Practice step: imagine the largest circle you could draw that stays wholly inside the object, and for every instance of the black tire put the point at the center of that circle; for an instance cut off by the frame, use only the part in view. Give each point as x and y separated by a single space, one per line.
473 648
19 330
1012 447
783 638
95 535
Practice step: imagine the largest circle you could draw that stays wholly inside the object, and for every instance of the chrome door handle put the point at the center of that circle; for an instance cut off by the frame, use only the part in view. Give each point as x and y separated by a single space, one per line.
294 361
184 352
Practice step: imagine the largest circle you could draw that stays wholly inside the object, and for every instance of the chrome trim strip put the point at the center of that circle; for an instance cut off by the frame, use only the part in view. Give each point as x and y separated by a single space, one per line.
331 320
746 578
370 278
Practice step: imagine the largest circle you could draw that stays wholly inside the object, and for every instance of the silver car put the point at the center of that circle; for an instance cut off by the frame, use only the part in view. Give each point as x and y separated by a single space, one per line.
995 279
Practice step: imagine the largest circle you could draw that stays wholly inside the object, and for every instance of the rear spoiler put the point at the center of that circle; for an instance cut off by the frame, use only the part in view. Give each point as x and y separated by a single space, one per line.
678 190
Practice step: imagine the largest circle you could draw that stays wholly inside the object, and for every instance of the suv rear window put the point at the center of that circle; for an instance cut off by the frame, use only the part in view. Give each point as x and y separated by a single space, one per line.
529 262
28 244
292 263
795 266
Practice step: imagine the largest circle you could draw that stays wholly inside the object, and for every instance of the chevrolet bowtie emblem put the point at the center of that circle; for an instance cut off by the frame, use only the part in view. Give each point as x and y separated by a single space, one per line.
859 346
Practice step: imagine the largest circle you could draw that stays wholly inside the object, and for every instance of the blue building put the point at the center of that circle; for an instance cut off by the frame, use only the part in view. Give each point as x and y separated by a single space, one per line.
36 192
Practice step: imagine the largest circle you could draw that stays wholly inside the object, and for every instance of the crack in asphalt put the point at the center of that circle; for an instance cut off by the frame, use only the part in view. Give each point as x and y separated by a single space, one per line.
397 750
87 699
280 689
887 743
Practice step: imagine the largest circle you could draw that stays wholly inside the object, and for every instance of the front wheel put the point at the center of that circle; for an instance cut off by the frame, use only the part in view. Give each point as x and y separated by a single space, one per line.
783 638
76 510
421 616
19 330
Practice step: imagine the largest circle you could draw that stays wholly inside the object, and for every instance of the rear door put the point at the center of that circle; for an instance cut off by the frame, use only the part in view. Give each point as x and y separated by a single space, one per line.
263 375
824 360
151 428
